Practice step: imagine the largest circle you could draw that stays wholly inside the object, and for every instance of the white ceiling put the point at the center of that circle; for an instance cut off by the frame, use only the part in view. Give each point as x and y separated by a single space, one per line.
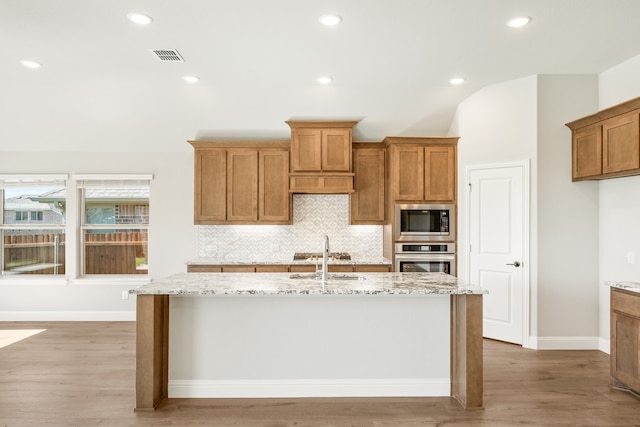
100 89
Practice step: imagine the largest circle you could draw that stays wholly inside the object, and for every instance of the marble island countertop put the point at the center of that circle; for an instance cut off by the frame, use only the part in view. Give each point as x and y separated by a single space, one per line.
290 261
629 286
196 284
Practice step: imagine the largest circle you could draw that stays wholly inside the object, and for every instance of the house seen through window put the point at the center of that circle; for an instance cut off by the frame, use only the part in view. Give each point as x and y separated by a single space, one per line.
32 230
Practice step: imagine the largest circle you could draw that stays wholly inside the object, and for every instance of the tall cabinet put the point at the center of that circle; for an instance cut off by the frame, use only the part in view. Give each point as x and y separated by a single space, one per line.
420 170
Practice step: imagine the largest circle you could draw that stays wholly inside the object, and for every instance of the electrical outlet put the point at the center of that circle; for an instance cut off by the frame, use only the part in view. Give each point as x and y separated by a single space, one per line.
631 257
125 294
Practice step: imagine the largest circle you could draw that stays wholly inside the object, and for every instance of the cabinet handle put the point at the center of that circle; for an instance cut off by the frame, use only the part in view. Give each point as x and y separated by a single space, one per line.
515 264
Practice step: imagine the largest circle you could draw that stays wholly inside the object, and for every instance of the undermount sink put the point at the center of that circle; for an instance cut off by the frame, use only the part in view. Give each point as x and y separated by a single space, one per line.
331 276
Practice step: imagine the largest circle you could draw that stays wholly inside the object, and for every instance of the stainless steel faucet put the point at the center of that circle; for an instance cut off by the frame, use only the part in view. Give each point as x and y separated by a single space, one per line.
325 258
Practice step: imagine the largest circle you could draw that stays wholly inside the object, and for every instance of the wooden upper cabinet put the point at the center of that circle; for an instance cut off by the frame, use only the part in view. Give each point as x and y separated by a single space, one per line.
242 182
242 185
607 144
587 152
621 143
422 169
440 173
367 203
306 150
321 146
321 156
407 165
273 193
336 150
210 186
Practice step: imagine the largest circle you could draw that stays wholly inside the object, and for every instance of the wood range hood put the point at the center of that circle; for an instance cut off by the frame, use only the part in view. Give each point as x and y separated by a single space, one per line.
321 156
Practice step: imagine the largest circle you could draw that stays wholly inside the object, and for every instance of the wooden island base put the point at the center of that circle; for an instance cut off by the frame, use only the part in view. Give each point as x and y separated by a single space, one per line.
152 350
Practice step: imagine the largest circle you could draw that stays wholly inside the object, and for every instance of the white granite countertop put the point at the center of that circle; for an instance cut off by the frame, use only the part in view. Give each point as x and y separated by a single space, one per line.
290 261
196 284
629 286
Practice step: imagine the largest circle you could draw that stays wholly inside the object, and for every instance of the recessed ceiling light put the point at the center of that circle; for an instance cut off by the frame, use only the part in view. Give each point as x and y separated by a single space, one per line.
191 79
330 20
518 21
30 64
456 81
325 80
140 18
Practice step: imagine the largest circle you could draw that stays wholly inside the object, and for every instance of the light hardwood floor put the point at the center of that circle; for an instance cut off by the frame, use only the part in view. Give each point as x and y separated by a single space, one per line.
83 374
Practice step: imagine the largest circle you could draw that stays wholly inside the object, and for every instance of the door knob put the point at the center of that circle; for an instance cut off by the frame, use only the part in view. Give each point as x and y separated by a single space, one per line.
515 264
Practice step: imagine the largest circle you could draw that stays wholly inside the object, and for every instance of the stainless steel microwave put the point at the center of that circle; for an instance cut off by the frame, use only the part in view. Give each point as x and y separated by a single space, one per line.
425 223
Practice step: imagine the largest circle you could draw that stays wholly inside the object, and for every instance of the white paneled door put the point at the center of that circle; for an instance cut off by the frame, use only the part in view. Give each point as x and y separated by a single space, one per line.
496 255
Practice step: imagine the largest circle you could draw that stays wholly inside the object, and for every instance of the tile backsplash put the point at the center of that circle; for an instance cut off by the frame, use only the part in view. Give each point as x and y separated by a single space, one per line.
314 215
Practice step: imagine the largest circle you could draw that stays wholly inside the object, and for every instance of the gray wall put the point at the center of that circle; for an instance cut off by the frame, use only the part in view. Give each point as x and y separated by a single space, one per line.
523 120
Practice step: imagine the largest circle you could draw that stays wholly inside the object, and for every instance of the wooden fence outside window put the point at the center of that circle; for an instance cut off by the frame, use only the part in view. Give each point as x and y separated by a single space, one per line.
105 253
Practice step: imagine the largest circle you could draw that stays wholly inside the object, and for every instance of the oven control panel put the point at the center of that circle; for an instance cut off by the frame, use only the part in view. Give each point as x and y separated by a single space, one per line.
423 248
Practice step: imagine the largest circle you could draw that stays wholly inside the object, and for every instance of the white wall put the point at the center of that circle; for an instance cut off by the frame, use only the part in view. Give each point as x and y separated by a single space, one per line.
523 120
620 83
567 283
619 199
172 235
496 125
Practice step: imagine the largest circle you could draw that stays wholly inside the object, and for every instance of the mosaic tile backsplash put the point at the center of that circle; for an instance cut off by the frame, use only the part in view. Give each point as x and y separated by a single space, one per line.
314 215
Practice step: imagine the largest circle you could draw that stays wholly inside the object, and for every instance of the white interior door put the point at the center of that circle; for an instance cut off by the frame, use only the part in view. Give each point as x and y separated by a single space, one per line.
496 233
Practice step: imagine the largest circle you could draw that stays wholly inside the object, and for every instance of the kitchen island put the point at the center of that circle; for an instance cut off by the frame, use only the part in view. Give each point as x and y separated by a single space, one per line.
293 335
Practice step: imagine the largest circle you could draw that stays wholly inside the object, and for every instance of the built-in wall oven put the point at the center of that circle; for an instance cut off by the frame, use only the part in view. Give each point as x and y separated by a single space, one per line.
430 257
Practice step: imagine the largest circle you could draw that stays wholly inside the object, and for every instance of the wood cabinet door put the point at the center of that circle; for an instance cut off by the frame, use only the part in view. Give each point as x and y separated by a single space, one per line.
306 150
407 176
587 152
367 202
274 199
336 150
625 338
625 356
242 185
440 173
621 143
210 186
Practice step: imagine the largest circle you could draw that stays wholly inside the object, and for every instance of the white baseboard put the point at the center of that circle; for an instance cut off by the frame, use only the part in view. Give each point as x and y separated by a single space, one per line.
65 316
420 387
565 343
605 346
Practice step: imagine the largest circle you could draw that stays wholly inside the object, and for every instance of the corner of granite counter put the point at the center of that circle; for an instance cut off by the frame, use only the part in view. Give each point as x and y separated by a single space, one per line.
626 285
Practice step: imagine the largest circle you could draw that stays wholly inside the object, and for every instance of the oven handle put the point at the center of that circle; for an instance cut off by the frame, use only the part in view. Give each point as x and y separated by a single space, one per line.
425 257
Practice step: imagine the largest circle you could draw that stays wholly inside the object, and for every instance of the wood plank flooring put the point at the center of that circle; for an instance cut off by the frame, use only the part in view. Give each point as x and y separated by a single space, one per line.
83 374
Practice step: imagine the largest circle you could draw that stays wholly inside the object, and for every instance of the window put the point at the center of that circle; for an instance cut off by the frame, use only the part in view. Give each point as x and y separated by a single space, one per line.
114 226
32 224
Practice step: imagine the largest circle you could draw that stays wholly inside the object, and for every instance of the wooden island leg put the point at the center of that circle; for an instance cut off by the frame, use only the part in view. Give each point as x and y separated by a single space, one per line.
466 350
152 350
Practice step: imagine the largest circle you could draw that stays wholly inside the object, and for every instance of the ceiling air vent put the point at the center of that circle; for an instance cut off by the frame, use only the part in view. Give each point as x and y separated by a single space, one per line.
167 55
